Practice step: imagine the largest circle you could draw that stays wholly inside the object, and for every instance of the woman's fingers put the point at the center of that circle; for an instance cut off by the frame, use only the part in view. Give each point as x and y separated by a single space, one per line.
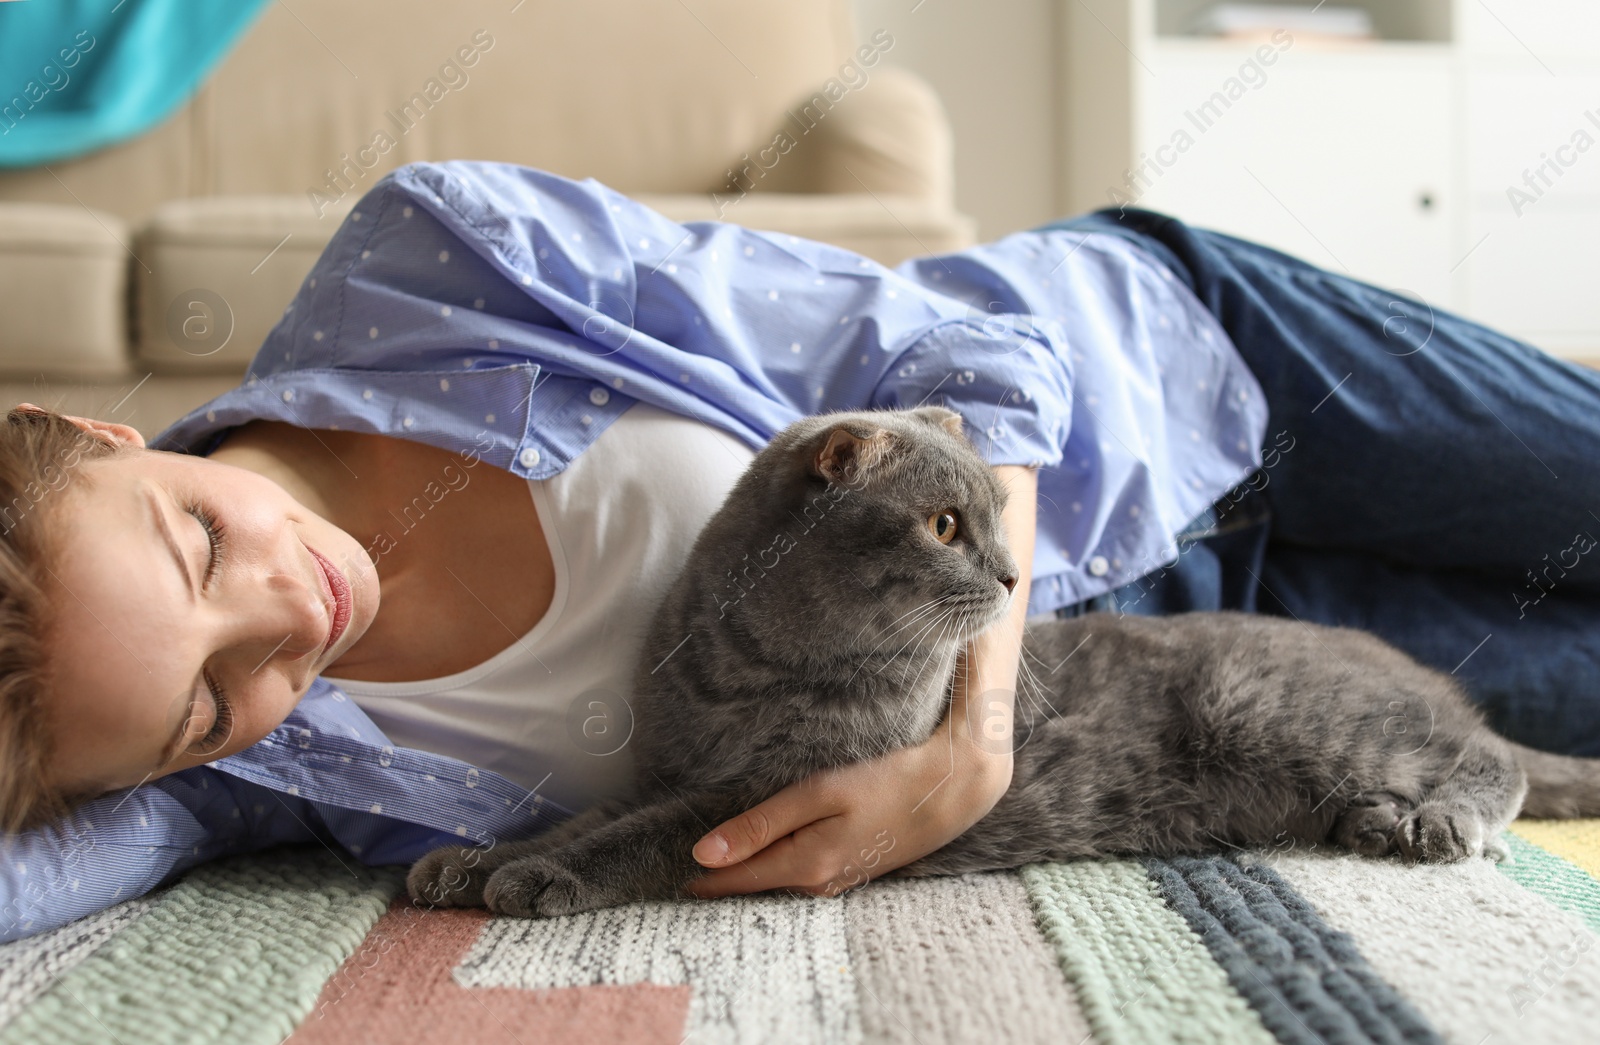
770 868
760 826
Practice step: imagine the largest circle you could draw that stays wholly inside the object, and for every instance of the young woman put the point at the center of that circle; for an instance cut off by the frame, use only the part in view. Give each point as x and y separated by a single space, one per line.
387 594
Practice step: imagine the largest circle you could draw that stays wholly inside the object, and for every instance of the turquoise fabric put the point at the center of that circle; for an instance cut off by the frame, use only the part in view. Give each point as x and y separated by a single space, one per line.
78 75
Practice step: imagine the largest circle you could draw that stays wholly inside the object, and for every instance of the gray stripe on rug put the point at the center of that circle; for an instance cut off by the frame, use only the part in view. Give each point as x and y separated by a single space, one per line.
957 959
763 967
1307 980
31 965
1482 957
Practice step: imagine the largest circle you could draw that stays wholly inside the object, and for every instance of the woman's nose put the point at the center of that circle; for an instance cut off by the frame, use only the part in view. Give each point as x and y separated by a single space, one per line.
293 618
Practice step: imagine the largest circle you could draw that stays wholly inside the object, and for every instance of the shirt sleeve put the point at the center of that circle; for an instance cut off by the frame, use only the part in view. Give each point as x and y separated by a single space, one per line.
126 843
745 328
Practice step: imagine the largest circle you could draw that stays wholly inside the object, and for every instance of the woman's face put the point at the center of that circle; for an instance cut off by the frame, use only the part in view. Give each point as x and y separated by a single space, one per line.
154 616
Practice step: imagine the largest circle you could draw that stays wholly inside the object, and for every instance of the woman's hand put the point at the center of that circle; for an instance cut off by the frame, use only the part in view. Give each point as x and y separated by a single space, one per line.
840 827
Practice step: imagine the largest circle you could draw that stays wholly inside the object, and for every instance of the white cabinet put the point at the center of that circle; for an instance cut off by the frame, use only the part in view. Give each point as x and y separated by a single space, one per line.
1459 163
1541 30
1532 164
1369 193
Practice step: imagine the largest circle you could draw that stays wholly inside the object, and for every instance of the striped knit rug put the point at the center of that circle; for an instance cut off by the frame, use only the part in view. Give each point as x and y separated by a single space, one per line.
1299 946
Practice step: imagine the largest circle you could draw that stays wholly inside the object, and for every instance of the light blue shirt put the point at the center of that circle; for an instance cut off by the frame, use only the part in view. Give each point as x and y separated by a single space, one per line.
516 313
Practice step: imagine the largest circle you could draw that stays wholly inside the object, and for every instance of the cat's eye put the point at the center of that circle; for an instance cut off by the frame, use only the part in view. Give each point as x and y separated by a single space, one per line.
943 526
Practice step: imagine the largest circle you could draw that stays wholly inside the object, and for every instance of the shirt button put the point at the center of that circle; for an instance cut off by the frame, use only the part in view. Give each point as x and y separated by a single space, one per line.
530 457
599 396
1098 565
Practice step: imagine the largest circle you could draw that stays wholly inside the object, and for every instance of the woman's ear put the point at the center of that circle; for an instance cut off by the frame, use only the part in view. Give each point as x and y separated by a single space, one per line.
109 431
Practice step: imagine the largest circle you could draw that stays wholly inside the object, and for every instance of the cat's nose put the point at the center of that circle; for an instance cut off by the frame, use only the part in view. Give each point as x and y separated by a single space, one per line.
1010 581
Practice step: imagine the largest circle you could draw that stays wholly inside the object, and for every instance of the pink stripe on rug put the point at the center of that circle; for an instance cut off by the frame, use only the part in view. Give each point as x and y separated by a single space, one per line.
397 987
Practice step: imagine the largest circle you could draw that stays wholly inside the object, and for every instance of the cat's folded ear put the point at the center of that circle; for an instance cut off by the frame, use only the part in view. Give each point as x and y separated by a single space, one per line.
851 451
939 415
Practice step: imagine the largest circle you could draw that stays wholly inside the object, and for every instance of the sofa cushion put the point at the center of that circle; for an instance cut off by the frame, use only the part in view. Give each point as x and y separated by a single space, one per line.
658 97
220 271
146 401
885 228
891 136
63 291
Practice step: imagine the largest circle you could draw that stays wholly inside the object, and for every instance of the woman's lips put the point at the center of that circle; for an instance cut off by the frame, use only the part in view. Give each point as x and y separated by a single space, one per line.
338 590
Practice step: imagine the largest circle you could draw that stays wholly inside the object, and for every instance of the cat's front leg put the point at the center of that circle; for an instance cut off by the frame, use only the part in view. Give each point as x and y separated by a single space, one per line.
455 875
644 854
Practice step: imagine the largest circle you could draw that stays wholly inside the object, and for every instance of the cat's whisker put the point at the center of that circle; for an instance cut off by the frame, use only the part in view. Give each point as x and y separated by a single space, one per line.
908 701
1026 652
935 650
868 655
921 612
943 623
908 624
927 626
1027 677
1024 697
908 694
941 644
897 620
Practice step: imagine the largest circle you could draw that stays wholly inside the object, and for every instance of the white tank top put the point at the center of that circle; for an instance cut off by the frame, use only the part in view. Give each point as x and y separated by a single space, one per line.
620 521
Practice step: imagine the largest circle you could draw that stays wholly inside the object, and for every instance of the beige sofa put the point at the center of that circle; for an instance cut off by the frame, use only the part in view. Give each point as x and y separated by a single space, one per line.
137 282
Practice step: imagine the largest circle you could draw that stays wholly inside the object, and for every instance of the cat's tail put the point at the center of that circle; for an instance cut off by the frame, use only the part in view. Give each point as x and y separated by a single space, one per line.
1560 787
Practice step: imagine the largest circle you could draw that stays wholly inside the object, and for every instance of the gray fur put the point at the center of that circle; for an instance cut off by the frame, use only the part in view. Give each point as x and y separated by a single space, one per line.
817 623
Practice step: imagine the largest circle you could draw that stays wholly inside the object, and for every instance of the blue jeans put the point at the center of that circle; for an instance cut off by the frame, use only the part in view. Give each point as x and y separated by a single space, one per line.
1424 478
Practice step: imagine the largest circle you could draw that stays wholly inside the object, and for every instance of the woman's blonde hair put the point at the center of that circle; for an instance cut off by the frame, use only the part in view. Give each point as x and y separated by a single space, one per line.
40 452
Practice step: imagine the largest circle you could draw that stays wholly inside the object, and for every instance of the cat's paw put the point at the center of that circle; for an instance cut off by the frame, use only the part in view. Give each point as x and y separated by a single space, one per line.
1439 835
453 876
539 887
1369 827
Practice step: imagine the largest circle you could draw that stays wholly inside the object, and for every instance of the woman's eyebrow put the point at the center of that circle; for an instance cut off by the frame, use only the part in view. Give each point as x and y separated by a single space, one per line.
171 542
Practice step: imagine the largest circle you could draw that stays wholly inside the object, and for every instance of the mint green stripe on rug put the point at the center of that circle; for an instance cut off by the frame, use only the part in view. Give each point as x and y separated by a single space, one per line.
235 952
1142 975
1544 873
29 966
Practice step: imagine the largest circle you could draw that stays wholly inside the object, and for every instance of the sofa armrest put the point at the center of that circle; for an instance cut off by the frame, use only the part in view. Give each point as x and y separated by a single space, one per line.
889 136
63 291
885 227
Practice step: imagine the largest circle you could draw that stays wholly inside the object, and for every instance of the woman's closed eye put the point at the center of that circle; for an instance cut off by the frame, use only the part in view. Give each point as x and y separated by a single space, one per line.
222 727
215 535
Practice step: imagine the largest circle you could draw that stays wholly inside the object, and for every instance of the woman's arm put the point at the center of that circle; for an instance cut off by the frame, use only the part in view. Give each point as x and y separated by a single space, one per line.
840 827
122 844
985 693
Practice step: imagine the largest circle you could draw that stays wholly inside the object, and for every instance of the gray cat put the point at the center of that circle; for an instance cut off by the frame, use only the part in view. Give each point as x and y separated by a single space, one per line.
817 623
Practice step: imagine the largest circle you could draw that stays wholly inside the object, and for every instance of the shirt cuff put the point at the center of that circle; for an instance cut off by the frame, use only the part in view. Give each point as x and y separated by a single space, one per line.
1006 378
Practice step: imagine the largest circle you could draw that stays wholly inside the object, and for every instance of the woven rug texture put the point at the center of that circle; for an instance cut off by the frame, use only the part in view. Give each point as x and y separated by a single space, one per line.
295 945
